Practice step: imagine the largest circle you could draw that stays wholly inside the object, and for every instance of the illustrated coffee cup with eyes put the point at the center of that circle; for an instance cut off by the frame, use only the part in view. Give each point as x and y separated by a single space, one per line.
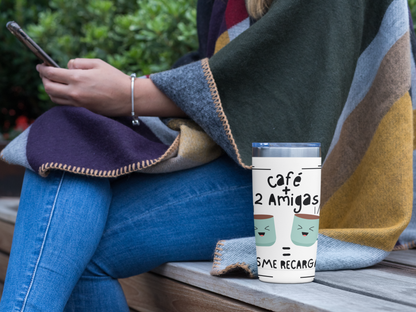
305 229
264 230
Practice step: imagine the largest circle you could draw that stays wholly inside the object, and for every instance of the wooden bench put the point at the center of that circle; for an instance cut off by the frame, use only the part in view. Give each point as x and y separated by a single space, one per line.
188 287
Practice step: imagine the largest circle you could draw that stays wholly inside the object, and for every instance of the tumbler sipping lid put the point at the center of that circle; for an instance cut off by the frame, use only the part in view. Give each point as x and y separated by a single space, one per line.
286 149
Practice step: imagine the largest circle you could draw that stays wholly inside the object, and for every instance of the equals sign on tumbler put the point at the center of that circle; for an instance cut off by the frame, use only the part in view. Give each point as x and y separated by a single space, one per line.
285 254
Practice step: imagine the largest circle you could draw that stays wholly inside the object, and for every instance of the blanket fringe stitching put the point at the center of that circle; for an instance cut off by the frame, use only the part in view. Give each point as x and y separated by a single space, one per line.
406 246
217 102
45 168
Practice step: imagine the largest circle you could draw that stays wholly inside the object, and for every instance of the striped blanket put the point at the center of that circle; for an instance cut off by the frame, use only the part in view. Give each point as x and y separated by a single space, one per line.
345 77
335 72
329 71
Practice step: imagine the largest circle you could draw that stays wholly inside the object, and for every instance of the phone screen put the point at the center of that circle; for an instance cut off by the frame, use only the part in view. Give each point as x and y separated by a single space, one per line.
16 30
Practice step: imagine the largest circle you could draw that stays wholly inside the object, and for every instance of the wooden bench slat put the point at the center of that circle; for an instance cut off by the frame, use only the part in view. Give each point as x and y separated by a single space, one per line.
393 271
150 292
6 236
381 284
407 257
8 208
276 297
4 260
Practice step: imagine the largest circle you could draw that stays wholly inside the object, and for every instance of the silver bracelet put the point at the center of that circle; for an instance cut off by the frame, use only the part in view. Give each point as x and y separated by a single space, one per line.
135 120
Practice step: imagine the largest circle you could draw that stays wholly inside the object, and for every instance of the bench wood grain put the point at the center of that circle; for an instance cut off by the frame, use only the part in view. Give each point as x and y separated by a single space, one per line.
277 297
407 257
6 236
372 282
4 260
150 292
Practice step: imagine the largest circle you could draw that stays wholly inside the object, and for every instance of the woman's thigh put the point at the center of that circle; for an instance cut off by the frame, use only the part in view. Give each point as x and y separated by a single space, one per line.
173 217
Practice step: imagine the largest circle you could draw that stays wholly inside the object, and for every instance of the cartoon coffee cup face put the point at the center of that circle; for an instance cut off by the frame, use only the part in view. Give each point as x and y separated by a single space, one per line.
264 230
305 229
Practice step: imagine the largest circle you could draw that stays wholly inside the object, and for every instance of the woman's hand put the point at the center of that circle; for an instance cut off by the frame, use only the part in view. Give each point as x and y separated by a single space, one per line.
89 83
103 89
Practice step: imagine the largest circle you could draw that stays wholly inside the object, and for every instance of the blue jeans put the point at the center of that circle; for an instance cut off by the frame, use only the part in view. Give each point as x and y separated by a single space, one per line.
76 235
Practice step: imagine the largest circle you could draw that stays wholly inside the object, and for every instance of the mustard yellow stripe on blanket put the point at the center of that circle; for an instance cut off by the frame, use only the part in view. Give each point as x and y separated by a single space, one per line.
222 41
374 205
195 145
391 82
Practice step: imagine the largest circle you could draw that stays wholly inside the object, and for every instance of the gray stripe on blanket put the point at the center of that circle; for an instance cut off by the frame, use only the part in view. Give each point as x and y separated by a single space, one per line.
165 134
392 28
332 254
188 88
15 151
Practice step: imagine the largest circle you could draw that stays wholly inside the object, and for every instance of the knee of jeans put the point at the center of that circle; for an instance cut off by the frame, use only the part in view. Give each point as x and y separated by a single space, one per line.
94 269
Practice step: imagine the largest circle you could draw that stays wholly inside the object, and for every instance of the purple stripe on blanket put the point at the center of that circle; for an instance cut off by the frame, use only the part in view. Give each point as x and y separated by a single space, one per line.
77 137
217 25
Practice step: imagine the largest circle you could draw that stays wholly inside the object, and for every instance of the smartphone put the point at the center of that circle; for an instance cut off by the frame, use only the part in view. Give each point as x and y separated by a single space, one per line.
16 30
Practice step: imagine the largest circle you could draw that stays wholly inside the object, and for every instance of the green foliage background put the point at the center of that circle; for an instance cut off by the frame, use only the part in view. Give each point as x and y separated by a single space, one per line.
145 36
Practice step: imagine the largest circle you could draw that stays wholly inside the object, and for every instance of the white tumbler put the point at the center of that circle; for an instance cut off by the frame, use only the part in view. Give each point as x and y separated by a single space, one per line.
286 199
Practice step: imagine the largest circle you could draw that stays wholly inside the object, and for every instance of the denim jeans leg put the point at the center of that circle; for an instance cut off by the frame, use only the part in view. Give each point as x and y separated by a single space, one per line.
70 225
97 293
154 219
59 224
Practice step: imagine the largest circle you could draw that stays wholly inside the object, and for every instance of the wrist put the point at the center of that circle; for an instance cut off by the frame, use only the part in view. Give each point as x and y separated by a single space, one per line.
150 101
139 102
126 102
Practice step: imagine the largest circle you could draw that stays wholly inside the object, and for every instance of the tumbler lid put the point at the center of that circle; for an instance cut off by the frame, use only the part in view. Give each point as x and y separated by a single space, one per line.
286 149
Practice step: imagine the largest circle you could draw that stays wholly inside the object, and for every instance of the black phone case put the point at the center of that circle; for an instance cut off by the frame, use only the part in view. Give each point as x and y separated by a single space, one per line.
16 30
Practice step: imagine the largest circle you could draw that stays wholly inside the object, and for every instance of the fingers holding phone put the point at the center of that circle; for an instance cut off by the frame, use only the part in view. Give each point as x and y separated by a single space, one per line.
90 83
55 84
52 73
60 84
